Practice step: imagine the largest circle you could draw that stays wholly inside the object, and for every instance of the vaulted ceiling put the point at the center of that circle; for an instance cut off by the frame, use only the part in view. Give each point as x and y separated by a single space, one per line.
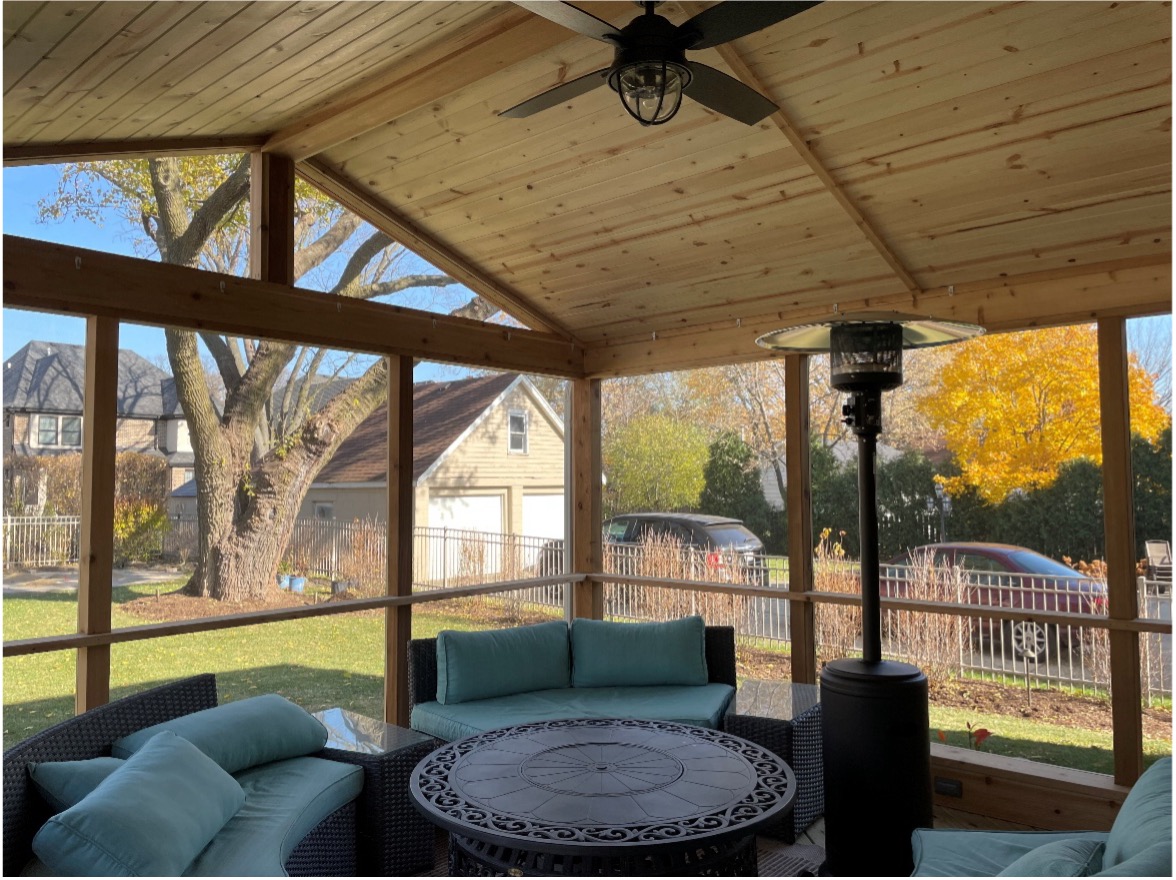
1007 163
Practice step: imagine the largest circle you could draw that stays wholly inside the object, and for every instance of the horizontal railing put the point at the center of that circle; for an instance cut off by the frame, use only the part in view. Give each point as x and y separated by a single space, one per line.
991 625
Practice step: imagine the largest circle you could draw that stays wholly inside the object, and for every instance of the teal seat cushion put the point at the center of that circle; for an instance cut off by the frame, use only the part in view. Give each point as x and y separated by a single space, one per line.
1145 817
150 817
283 802
1155 861
1059 858
981 853
241 734
701 705
64 783
495 663
608 654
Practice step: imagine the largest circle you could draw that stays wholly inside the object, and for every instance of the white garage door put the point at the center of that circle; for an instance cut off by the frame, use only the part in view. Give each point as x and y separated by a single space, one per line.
543 516
475 513
464 543
543 520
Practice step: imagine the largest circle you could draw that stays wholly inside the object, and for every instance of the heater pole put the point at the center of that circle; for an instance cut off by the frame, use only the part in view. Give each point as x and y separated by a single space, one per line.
863 414
868 529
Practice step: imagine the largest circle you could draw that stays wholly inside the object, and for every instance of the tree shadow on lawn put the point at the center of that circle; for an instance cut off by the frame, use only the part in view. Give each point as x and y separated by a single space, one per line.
311 688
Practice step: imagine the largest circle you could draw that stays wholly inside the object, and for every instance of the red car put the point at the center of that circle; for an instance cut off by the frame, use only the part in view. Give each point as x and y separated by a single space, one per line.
1006 576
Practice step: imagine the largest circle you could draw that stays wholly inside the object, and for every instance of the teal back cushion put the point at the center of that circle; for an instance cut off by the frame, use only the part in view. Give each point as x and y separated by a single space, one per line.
150 817
64 783
1145 817
500 662
638 654
241 734
1059 858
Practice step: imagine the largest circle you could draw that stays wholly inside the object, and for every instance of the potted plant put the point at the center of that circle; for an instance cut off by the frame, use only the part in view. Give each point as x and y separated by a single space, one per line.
284 574
298 575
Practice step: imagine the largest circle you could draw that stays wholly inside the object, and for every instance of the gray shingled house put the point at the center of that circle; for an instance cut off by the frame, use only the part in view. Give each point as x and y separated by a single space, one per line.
43 385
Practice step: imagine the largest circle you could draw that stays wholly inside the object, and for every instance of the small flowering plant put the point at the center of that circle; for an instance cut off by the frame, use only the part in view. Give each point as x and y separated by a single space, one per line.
976 736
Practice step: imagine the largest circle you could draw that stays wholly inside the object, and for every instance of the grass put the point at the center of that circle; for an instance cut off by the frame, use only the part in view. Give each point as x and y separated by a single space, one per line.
338 661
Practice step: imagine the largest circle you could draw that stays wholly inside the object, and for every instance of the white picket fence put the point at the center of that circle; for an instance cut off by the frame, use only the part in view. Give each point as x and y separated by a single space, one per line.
37 541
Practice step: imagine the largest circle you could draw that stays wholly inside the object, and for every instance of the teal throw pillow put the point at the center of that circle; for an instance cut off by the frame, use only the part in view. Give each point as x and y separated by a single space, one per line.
1060 858
150 817
242 734
638 654
64 783
500 662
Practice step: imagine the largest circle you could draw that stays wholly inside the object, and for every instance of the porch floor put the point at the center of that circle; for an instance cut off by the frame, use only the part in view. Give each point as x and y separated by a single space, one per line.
773 853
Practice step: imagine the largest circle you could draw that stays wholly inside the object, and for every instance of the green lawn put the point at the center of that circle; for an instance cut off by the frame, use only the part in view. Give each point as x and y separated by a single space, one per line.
338 660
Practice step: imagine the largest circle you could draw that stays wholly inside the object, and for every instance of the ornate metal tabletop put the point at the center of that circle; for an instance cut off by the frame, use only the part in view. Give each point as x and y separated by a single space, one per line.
604 789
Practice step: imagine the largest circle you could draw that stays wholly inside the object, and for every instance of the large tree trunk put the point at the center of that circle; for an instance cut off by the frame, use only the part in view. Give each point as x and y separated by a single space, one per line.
248 510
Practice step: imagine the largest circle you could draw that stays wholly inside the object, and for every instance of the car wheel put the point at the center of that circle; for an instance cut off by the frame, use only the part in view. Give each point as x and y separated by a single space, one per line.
1030 641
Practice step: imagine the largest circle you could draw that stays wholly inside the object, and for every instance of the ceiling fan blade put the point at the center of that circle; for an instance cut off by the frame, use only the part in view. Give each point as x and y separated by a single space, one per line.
732 20
571 17
564 92
727 95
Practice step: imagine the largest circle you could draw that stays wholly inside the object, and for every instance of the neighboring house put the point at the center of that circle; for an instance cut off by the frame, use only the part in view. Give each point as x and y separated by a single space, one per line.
43 386
488 456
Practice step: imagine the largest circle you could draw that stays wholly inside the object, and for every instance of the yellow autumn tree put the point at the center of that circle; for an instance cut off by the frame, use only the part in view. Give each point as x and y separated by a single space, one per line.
1012 407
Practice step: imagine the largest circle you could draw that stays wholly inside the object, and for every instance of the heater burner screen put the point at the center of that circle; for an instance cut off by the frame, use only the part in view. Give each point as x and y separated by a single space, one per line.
865 356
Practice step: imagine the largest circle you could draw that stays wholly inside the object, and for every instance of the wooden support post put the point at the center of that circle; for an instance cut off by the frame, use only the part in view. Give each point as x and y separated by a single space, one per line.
800 516
584 494
398 619
95 566
271 218
1119 527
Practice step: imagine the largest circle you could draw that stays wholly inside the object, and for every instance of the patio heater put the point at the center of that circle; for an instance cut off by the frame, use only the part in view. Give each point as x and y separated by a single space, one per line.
874 716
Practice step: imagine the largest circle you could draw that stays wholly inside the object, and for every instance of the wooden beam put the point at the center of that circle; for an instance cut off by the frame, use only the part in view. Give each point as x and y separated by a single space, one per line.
868 228
473 53
585 495
425 245
800 516
16 155
96 563
398 618
70 280
1023 791
1119 528
271 218
1120 289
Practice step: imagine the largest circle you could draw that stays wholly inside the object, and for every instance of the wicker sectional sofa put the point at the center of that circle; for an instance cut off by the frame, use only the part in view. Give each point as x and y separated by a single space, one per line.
614 688
302 815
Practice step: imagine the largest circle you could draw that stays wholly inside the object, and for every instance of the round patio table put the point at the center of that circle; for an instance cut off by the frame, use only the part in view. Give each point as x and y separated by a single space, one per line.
603 796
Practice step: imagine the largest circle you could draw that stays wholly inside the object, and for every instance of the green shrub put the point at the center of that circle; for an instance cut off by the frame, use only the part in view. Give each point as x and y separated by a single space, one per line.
139 527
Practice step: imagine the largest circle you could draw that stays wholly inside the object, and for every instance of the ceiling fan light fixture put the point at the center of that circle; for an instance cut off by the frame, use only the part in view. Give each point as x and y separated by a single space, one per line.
651 91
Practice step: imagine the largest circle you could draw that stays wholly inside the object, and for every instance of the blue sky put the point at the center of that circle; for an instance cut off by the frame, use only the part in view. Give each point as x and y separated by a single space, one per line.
23 187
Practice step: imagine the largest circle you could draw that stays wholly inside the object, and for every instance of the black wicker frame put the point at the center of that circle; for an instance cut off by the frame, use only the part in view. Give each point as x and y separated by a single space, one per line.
335 847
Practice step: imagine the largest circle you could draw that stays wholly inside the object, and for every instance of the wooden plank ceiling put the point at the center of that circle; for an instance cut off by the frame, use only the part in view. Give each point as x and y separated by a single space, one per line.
922 150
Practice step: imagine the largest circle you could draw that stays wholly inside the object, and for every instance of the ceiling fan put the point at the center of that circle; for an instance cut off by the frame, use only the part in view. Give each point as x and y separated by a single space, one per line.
650 70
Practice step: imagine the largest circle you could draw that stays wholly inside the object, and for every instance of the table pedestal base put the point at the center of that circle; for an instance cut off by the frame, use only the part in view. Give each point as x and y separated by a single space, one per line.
736 858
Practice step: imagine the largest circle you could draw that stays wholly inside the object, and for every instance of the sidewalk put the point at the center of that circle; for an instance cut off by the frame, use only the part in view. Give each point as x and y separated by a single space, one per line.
45 580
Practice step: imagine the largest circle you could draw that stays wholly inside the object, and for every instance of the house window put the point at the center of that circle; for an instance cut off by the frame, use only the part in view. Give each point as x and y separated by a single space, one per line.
324 510
518 431
71 431
189 474
59 431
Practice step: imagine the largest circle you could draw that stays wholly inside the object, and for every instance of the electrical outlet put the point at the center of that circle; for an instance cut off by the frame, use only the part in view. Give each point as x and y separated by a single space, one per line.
949 787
